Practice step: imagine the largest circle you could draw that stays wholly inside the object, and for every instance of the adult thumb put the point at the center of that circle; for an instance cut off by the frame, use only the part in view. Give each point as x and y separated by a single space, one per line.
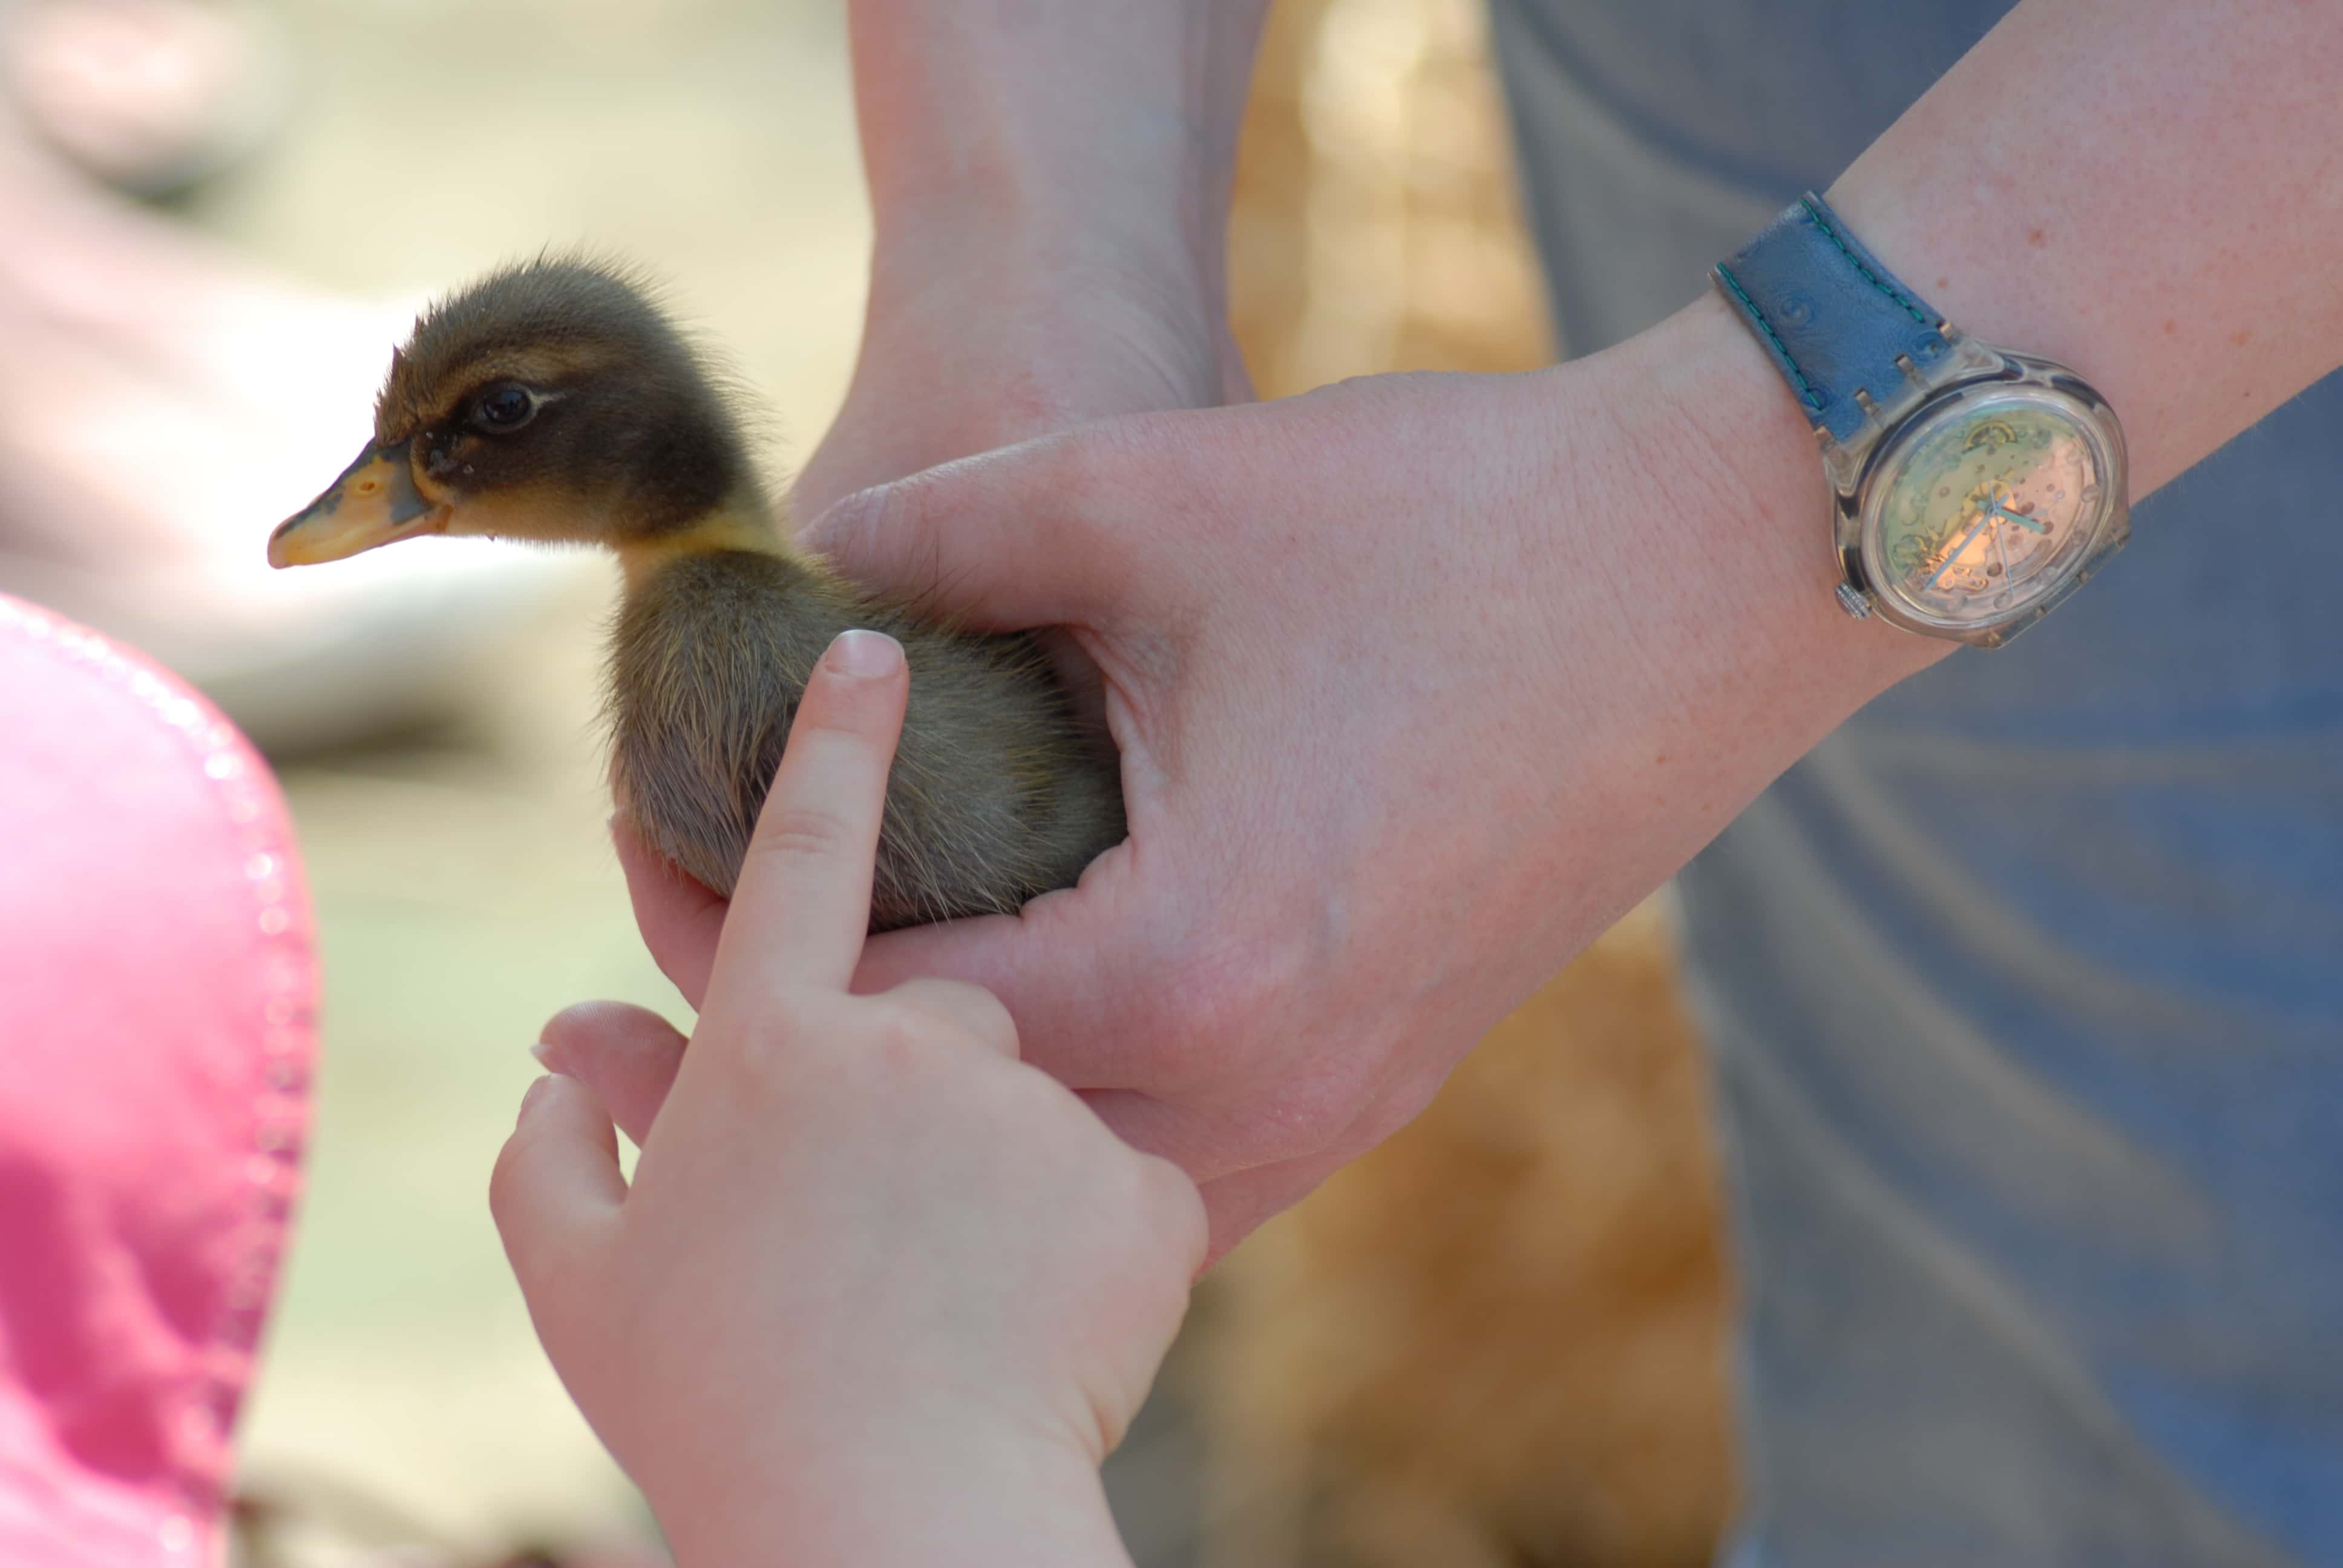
1020 537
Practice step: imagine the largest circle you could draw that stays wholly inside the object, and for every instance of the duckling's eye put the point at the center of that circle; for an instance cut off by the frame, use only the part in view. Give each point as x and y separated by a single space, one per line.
505 408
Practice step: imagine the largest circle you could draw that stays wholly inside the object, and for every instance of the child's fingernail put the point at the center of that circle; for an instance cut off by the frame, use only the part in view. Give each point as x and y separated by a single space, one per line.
543 1054
864 653
534 1092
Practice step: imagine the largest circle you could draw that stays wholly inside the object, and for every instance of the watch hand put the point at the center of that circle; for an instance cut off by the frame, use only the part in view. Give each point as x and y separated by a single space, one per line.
1954 553
2021 519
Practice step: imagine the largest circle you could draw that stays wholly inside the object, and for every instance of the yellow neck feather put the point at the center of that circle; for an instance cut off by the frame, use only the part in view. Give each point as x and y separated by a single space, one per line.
727 528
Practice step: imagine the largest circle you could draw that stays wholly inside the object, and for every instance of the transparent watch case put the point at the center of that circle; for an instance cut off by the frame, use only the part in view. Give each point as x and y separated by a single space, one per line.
1978 499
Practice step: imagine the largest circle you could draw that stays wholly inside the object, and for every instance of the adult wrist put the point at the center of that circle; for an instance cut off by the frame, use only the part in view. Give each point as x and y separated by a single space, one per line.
987 123
1754 505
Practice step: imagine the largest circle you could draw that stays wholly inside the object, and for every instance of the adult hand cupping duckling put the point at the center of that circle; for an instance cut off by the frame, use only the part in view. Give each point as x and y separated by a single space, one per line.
863 1242
1418 682
1382 662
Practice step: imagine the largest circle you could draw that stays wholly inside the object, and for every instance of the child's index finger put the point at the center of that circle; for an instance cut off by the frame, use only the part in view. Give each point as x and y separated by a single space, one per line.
802 904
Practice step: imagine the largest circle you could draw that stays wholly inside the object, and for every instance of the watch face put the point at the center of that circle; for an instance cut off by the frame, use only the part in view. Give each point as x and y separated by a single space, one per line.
1985 508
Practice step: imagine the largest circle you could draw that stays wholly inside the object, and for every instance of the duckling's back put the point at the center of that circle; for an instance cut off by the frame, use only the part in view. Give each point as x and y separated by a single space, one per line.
999 792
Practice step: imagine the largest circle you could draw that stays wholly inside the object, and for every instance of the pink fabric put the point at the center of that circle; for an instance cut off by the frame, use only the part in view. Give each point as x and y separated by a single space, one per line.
157 981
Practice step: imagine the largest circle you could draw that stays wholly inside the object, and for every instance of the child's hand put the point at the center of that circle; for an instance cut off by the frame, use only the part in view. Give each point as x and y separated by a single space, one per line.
879 1290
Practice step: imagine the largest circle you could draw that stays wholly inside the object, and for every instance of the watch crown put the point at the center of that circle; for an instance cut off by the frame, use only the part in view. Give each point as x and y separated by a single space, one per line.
1854 601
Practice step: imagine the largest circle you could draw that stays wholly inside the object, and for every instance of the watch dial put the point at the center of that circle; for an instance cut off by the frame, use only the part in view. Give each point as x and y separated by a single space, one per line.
1986 508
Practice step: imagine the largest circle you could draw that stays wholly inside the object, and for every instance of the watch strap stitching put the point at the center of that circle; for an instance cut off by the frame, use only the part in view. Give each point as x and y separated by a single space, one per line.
1806 393
1830 232
1835 321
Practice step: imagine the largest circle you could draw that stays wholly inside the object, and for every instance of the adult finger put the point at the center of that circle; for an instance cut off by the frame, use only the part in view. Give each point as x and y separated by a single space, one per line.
803 900
679 916
1057 979
627 1055
557 1187
1002 542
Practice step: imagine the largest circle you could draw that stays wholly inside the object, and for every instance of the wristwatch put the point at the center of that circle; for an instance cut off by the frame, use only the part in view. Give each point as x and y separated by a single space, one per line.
1973 488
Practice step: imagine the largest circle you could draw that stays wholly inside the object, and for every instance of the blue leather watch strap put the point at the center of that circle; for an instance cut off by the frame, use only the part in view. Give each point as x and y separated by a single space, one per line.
1834 319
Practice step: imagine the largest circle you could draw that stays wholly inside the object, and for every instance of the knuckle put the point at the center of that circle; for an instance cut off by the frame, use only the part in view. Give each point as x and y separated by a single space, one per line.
958 1005
792 833
1077 468
1081 477
894 1042
900 1031
766 1053
839 717
980 1011
854 531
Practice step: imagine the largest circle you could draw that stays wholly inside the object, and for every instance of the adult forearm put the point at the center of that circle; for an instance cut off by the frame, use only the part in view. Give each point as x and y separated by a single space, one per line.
1049 189
2150 194
1091 121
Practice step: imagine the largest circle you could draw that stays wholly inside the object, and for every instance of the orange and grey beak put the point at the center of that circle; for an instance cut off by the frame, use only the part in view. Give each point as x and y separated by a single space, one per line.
375 502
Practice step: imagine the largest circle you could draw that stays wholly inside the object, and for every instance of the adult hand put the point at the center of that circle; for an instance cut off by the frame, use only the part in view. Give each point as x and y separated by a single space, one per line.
879 1290
1419 681
970 346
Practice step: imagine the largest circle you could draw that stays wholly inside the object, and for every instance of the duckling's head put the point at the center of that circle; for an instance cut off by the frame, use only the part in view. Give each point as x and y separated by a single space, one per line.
551 401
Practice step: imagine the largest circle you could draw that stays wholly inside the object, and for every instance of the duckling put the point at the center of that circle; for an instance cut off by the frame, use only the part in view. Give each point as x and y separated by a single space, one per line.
553 401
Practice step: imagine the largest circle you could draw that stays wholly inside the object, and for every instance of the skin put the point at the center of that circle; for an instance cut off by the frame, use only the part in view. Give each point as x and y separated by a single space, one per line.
999 308
783 1316
1303 612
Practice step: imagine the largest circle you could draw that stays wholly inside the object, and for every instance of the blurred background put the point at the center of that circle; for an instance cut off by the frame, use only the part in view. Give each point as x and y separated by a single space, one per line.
1498 1341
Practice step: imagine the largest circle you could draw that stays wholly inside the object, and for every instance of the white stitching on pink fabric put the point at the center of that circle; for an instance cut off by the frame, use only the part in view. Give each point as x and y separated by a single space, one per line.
284 933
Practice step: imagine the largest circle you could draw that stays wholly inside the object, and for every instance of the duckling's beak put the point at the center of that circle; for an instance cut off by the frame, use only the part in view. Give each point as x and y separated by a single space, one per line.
375 502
